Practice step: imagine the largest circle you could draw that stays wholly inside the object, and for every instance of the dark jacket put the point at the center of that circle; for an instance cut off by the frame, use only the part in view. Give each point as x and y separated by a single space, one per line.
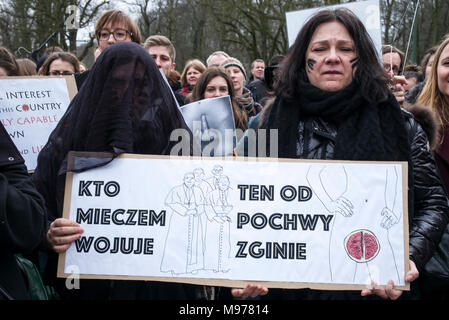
259 89
22 218
413 94
184 91
175 87
247 103
80 77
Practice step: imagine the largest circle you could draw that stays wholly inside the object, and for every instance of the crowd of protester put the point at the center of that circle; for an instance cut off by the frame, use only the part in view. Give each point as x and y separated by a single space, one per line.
328 97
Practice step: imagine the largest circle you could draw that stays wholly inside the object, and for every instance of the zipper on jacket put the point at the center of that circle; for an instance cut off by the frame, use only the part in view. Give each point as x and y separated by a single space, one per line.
308 130
321 132
6 294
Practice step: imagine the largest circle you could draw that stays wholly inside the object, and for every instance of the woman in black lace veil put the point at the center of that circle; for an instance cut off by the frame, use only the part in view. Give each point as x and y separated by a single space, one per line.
125 107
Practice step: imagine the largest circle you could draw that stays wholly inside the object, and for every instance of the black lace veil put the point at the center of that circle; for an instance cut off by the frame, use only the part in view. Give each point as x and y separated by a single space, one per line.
124 106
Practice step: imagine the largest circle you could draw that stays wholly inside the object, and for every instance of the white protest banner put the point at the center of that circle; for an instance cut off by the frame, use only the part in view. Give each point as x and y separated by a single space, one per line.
212 124
367 11
31 107
289 224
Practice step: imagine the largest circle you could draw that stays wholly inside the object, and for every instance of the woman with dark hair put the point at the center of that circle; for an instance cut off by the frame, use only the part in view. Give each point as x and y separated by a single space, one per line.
8 63
333 102
125 106
364 62
213 83
60 63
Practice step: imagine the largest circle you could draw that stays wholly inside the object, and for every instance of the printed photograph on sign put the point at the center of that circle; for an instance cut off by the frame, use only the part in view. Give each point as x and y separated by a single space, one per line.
212 124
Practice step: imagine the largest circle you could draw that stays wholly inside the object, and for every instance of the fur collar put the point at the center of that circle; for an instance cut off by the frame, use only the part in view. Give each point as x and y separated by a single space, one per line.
428 121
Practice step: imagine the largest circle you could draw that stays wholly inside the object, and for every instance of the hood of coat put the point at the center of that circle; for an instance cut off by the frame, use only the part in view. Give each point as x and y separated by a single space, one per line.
429 122
8 151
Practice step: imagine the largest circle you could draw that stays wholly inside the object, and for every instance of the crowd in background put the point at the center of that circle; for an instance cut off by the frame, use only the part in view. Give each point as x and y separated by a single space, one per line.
389 112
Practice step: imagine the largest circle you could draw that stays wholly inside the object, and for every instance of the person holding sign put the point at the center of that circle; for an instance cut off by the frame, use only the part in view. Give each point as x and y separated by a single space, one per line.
215 82
124 106
332 102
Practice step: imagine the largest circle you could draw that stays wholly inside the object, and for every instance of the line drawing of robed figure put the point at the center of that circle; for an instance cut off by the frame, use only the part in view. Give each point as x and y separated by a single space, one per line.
205 187
217 171
186 202
217 241
200 182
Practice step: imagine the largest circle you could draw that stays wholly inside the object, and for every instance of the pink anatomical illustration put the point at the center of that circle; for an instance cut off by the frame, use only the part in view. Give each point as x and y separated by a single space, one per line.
361 246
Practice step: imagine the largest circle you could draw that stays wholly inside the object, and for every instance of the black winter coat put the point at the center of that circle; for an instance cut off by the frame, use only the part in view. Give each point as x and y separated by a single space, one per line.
22 218
259 89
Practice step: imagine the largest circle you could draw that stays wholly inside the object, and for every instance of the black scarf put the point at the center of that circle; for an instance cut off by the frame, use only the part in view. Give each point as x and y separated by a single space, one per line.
366 131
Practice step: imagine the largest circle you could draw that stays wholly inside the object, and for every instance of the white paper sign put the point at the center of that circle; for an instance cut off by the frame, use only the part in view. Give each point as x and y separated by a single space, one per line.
292 223
367 11
30 108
